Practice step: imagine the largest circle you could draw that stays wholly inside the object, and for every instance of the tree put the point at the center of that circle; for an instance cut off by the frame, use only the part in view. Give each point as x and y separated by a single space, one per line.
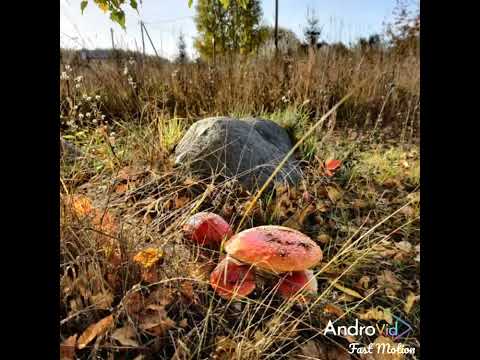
226 30
313 30
182 56
117 14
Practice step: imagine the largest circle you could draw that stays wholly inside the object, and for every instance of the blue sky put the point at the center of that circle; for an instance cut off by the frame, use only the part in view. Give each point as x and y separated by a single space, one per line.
342 20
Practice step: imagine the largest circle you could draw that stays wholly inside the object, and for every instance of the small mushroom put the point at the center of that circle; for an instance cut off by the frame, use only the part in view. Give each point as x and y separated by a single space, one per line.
299 283
207 229
274 248
232 279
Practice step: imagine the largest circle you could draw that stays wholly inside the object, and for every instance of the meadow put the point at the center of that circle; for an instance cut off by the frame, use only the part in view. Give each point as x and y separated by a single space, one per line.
123 194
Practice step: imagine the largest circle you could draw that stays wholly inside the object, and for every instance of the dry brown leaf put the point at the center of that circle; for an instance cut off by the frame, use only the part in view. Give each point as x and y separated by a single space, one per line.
102 301
82 205
134 303
125 336
95 330
411 299
404 246
388 280
337 353
150 275
155 320
67 348
121 188
408 211
334 309
148 257
313 350
162 296
183 323
181 202
377 313
364 282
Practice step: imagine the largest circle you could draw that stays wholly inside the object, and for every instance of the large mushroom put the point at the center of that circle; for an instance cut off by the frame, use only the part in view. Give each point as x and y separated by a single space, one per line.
205 228
298 285
231 279
274 248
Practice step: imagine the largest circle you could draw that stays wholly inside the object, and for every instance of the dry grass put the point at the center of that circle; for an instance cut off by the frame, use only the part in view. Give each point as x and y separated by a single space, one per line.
365 218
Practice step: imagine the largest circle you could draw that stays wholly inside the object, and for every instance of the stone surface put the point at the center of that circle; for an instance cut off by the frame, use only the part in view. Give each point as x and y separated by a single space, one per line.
248 149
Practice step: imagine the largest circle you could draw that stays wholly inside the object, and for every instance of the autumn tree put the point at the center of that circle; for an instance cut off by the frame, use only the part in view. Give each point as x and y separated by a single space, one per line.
234 28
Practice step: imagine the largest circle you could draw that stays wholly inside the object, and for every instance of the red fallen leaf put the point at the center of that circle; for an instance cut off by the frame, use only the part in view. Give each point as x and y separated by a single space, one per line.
331 166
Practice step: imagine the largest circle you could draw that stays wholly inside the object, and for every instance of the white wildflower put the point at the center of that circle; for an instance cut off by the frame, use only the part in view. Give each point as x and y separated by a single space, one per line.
64 76
80 116
94 121
84 96
97 97
88 114
77 86
103 117
89 98
79 78
68 68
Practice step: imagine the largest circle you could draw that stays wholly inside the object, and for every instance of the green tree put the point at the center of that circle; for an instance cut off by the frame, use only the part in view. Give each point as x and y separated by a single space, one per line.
182 56
313 30
225 30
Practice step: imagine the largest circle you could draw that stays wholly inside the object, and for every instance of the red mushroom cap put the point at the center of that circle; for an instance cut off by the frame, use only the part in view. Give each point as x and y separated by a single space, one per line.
207 228
274 248
301 282
232 279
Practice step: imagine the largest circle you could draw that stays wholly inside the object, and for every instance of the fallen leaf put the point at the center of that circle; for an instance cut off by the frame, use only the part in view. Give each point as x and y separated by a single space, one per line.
181 202
404 246
411 299
95 330
121 188
324 238
347 291
333 194
183 323
102 301
155 320
82 205
388 280
334 309
377 313
364 281
67 348
148 257
150 275
337 353
134 303
408 211
125 336
313 350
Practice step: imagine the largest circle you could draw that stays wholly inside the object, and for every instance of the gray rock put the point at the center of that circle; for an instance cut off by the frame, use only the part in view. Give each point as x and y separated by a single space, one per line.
248 149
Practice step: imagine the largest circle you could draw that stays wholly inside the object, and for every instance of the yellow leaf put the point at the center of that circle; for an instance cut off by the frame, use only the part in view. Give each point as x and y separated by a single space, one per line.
148 257
82 205
125 336
388 280
377 313
333 194
411 299
347 290
95 330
